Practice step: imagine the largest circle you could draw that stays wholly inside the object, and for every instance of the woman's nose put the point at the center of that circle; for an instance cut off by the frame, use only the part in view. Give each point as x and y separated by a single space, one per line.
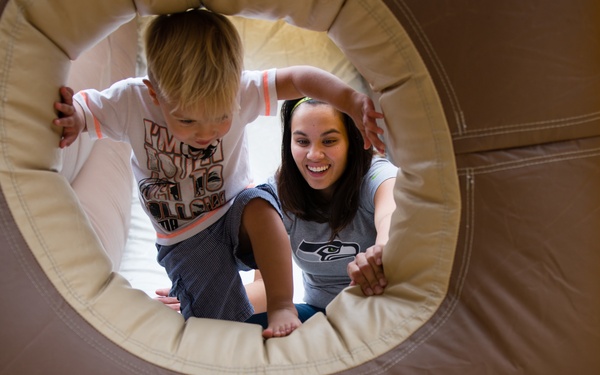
315 153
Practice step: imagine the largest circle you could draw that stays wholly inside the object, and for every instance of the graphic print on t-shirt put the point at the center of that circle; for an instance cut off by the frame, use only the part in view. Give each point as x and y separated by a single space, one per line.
185 183
326 251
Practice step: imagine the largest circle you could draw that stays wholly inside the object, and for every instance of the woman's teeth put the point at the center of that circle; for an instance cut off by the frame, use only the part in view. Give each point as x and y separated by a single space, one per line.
318 169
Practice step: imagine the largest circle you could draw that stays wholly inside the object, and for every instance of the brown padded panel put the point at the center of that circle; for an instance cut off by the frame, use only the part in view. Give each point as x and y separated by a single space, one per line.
524 290
521 92
510 73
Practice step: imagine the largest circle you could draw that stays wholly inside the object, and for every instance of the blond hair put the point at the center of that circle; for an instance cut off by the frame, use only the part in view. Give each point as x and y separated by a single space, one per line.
195 57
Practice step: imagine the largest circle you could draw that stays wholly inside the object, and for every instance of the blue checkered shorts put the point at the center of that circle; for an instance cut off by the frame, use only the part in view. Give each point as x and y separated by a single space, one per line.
204 269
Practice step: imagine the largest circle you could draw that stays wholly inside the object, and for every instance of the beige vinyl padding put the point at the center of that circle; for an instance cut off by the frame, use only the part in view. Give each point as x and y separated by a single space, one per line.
59 266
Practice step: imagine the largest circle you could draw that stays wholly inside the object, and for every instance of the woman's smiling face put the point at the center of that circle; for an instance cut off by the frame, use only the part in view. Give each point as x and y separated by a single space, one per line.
319 145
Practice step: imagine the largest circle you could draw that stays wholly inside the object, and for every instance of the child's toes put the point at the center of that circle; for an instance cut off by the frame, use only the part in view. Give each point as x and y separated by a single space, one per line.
282 331
268 333
279 332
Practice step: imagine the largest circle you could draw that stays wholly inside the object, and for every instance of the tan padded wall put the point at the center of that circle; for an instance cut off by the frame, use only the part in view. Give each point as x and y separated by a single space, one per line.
100 172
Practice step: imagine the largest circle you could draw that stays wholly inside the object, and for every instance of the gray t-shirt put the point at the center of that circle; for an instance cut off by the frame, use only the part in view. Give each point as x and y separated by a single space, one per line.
324 263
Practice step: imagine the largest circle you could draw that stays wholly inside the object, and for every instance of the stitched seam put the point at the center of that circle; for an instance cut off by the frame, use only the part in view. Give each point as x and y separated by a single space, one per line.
537 125
454 301
537 160
437 64
460 281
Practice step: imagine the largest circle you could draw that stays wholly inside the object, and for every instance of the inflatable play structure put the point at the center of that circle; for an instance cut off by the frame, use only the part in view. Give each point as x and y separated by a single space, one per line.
492 112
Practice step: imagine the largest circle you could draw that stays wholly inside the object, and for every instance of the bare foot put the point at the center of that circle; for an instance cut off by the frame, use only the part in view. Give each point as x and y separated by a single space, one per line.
282 322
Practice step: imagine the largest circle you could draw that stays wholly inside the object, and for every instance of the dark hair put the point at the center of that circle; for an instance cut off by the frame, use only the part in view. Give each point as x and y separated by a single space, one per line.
298 198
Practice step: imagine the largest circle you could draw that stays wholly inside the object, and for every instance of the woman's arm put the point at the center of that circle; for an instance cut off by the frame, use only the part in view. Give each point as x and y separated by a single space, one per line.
367 268
384 208
257 294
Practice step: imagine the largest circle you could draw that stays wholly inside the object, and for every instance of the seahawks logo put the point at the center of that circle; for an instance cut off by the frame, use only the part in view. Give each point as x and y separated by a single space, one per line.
326 252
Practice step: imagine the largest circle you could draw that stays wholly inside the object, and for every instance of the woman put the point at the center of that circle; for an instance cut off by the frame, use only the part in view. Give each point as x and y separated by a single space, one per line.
337 200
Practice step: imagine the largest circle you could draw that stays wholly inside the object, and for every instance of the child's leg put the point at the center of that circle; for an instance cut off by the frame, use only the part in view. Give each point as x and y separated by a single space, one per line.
205 275
263 233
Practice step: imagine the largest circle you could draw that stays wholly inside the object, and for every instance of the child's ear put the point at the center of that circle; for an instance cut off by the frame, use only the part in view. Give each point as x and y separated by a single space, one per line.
151 91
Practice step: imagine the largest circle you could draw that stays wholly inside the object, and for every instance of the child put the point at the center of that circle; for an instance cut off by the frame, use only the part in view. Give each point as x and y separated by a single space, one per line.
186 124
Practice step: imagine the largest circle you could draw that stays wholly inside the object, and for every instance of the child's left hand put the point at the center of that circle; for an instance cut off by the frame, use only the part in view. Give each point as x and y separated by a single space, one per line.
366 121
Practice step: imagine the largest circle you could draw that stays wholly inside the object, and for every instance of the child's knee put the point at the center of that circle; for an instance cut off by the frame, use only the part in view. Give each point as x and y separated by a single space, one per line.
258 204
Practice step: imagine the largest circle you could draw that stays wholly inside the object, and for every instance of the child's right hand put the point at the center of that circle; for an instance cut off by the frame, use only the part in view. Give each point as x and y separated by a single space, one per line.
68 118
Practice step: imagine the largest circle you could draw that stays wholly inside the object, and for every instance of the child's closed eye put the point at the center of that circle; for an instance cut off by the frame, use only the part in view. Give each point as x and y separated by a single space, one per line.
186 122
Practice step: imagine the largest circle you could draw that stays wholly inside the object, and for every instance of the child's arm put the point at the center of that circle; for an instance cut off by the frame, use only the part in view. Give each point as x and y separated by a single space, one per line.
366 269
71 120
297 81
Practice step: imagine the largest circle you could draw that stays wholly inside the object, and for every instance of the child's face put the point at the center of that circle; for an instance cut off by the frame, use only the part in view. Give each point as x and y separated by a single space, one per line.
192 126
319 145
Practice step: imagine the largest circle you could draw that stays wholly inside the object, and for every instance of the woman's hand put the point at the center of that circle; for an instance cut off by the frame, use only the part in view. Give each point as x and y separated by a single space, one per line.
163 296
366 270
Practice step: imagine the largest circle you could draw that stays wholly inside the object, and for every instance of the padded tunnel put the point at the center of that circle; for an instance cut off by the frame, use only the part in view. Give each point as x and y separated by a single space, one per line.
492 113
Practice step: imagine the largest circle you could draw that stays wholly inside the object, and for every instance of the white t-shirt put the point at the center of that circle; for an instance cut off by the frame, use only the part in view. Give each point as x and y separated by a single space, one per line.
181 193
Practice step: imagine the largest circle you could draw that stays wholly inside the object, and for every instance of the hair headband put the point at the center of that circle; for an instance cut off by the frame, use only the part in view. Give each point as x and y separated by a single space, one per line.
303 100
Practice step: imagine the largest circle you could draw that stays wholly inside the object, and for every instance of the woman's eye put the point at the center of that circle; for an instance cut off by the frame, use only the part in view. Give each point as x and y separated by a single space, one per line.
329 142
301 142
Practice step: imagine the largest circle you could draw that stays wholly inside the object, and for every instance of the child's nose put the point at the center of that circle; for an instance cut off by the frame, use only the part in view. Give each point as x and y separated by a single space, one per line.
205 131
